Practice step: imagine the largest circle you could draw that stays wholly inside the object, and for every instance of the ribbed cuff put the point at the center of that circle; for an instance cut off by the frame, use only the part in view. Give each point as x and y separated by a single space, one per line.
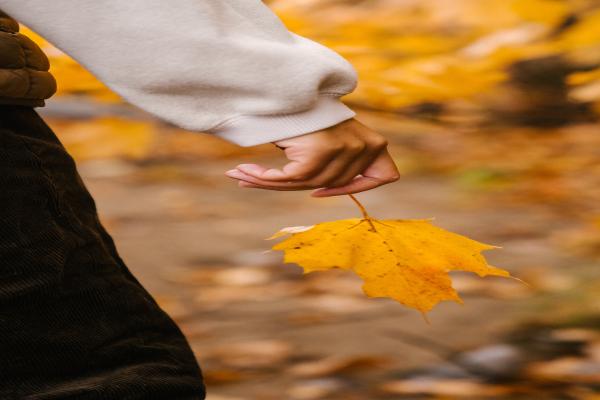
252 130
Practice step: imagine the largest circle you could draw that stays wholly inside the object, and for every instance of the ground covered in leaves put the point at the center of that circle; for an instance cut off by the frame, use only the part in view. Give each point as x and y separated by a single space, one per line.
262 330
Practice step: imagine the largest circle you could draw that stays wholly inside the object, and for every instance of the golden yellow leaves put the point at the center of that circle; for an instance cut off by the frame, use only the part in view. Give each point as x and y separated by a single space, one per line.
406 260
106 138
451 51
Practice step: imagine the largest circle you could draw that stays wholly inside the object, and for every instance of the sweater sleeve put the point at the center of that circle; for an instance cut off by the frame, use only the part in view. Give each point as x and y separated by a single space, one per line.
226 67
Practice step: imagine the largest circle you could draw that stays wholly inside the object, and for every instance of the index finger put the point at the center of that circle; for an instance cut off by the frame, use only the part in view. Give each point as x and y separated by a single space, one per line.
381 172
295 170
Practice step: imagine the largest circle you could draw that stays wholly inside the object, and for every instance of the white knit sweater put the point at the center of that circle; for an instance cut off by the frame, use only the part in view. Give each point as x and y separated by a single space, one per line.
227 67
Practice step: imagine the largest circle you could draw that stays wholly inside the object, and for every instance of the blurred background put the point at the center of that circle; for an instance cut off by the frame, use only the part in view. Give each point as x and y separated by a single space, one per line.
491 108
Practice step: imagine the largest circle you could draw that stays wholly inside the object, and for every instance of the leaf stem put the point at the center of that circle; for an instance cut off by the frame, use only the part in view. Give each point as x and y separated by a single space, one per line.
363 210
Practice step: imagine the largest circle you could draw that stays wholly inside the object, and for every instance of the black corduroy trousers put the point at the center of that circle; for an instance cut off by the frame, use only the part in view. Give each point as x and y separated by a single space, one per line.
74 322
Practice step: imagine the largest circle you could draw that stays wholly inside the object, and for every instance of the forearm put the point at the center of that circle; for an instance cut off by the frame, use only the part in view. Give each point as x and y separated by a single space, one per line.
228 67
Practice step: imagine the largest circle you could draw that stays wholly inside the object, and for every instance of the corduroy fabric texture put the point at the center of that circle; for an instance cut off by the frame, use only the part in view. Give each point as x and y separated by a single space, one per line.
74 322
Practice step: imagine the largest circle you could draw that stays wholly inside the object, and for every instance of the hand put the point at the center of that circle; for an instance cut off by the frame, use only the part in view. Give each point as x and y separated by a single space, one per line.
346 158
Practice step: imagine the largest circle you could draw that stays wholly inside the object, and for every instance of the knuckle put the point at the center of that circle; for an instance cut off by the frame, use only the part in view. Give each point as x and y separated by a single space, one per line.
379 143
356 147
335 147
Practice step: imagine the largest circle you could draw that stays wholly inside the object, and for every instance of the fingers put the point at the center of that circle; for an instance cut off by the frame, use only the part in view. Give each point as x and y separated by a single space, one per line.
317 172
346 158
249 181
309 155
356 167
382 171
358 184
295 172
325 171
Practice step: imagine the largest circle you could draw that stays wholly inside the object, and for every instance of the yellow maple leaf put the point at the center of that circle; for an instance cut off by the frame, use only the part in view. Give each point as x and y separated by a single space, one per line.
406 260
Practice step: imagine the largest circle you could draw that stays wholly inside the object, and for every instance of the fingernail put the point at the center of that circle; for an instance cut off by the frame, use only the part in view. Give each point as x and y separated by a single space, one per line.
234 173
249 168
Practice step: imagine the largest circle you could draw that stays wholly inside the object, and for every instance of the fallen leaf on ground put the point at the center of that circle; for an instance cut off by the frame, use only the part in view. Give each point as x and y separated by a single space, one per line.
253 354
444 387
566 369
406 260
315 389
335 365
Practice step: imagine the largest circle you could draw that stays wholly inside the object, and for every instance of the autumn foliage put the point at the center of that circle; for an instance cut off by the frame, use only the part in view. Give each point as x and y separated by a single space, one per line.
406 260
